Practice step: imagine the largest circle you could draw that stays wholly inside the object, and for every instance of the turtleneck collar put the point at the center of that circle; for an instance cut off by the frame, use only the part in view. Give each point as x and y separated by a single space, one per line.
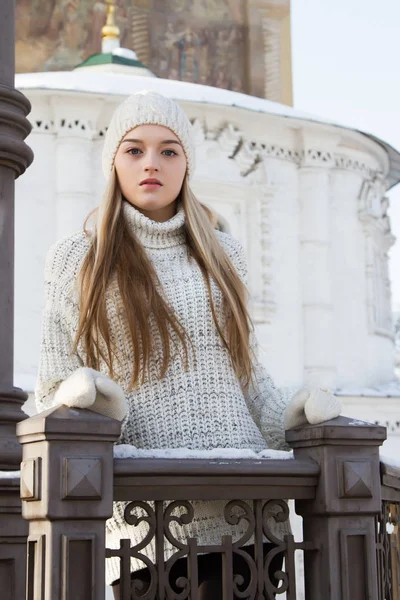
153 234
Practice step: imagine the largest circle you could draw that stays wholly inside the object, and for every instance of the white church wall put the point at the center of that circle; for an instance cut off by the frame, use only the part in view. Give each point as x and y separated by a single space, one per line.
288 192
76 127
282 337
349 284
315 253
362 353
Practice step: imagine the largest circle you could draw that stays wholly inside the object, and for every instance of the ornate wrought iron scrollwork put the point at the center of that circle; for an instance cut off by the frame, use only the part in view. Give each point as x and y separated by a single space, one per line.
238 581
248 569
148 517
181 519
181 587
388 551
141 590
278 511
234 518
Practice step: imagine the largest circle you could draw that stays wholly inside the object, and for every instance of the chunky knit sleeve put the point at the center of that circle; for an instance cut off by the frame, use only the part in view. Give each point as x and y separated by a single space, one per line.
57 361
265 401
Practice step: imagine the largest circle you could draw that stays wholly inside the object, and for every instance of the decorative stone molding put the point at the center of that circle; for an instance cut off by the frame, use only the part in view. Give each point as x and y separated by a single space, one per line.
76 127
14 127
372 209
230 140
248 219
246 159
232 143
264 305
249 165
31 479
82 478
43 126
315 157
312 157
355 478
82 128
350 164
277 151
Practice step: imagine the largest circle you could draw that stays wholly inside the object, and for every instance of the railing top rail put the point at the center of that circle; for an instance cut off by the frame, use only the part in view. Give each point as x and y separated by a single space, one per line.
9 480
215 466
203 479
390 479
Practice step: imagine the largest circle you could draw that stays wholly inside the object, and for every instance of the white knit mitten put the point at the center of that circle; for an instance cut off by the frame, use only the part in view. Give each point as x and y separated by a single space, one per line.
311 406
78 390
87 388
110 398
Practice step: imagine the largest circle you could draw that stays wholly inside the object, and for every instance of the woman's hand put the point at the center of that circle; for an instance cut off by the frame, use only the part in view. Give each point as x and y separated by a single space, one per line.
87 388
311 406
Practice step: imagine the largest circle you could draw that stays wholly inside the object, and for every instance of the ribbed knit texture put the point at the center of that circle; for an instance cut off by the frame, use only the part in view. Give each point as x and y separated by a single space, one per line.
147 108
202 408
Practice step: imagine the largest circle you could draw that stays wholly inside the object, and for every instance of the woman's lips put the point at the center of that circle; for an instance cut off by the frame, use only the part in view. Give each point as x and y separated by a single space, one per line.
150 186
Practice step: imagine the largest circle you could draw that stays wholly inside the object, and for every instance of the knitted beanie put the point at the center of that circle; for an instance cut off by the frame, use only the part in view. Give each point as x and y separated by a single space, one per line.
147 108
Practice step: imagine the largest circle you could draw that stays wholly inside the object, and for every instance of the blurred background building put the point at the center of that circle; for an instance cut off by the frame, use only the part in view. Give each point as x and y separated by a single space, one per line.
240 45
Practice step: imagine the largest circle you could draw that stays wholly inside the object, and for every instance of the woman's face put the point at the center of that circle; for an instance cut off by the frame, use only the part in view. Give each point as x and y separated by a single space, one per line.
151 166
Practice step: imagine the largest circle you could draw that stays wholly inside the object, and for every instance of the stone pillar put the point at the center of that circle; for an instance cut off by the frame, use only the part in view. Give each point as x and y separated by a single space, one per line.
15 157
67 493
13 536
282 334
316 264
340 520
75 128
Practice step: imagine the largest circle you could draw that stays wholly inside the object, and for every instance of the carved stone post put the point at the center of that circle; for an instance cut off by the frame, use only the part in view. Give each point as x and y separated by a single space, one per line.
13 535
340 521
15 157
67 493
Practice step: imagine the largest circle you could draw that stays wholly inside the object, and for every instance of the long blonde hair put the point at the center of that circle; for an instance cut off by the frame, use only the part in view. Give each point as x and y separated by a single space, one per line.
115 251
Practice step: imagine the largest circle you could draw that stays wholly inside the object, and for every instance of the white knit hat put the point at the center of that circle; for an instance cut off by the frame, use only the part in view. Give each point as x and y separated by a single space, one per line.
145 108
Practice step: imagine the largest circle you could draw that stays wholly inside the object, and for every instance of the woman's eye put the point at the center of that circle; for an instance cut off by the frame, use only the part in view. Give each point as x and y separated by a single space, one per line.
169 153
134 151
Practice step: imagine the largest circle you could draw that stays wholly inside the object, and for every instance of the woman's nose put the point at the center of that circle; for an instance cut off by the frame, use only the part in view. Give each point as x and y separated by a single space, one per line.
152 163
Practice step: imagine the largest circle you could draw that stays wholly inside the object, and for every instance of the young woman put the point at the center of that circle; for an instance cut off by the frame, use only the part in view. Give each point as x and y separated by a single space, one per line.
146 321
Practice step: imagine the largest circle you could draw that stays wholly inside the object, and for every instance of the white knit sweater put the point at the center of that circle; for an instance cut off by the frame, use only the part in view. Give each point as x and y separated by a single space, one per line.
202 408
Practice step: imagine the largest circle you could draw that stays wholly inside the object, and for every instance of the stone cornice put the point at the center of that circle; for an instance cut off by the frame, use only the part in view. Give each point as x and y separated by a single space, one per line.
234 139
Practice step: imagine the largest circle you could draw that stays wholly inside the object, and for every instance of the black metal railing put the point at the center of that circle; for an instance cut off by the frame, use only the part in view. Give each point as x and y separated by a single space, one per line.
388 535
254 561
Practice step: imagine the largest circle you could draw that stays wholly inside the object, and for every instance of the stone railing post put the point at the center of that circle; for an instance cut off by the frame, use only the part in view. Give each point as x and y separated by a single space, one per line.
13 536
67 493
340 521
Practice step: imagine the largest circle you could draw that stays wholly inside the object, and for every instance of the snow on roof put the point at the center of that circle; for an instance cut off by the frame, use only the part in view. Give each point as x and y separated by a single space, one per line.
124 84
121 84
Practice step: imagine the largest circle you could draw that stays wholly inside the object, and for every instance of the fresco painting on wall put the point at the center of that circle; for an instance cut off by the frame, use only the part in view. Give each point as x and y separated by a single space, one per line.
202 41
203 55
59 34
